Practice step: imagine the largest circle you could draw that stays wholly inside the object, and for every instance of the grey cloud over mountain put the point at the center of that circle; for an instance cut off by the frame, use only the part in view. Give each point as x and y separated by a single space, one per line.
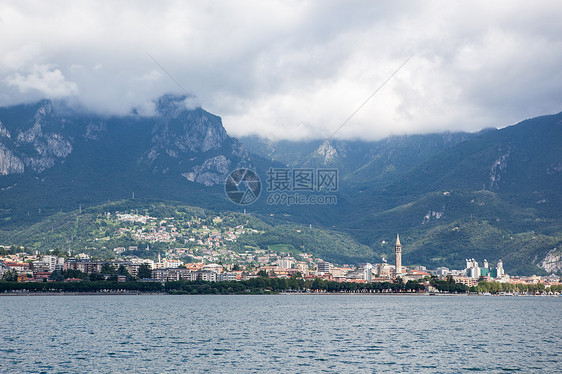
295 70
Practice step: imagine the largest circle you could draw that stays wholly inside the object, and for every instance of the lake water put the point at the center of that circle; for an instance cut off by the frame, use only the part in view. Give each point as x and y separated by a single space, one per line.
280 333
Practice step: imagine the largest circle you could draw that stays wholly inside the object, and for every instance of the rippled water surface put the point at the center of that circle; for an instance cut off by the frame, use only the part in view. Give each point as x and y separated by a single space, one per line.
282 333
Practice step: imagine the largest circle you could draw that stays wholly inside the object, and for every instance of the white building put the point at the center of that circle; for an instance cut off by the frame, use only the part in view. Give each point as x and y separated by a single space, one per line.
228 277
368 269
384 270
54 262
499 269
285 263
472 269
141 261
324 267
213 267
204 275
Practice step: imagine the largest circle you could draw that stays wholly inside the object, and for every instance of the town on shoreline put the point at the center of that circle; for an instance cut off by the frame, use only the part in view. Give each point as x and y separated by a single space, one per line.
216 250
27 274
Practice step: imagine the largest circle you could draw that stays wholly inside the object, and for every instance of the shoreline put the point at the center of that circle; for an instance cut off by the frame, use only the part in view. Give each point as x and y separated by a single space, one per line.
420 294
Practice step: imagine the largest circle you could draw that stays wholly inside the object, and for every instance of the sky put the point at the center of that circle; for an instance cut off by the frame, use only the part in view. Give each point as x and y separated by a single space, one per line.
292 69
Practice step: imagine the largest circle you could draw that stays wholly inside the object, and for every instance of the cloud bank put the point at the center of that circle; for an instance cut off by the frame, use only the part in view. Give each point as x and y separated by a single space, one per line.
292 70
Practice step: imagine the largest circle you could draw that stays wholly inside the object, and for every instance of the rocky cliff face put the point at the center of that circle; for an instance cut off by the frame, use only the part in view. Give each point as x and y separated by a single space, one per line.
498 168
183 140
552 263
194 142
9 163
37 144
179 130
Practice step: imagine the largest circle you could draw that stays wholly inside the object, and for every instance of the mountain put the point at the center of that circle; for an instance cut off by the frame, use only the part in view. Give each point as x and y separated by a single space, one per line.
96 230
52 158
495 194
359 162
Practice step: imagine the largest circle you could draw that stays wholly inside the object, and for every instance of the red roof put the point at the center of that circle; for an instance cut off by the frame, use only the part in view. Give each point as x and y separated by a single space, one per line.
417 272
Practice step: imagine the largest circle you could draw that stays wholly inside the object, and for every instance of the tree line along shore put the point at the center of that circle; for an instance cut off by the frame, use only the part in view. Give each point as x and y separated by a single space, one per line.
265 285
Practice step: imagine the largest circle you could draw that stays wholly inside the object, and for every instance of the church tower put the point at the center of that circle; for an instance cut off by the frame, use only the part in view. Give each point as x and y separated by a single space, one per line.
398 256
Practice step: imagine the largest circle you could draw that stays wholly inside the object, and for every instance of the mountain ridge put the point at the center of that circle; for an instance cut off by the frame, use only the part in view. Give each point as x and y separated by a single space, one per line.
447 194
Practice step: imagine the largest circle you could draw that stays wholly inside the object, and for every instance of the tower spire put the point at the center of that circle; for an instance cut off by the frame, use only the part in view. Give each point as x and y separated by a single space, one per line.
397 256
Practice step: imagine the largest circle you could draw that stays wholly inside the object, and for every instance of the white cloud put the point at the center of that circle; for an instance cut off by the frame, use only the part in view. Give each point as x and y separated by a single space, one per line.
293 69
46 79
191 103
147 109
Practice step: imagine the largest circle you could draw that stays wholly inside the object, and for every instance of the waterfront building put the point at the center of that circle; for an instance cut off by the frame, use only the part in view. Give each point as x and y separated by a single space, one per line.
230 276
384 270
143 261
167 263
203 275
356 273
324 267
415 275
85 266
286 262
171 274
472 269
442 271
302 266
499 269
40 266
53 262
368 269
466 280
213 267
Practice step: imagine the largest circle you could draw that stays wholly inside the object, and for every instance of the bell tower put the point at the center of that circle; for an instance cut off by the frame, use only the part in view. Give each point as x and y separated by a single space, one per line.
398 256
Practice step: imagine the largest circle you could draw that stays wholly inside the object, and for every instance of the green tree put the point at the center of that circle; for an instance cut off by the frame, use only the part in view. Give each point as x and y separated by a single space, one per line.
55 274
399 284
71 273
58 252
317 284
540 287
414 285
144 272
107 268
11 276
95 277
122 270
495 287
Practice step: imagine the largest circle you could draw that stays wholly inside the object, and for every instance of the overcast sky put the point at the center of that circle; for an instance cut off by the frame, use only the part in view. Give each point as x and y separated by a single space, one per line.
293 69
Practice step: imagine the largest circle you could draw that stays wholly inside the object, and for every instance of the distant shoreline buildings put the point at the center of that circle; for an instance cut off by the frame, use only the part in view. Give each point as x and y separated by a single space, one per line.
279 265
475 272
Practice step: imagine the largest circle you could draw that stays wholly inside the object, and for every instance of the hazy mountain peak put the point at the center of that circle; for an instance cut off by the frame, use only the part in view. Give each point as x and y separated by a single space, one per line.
178 138
172 105
327 152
